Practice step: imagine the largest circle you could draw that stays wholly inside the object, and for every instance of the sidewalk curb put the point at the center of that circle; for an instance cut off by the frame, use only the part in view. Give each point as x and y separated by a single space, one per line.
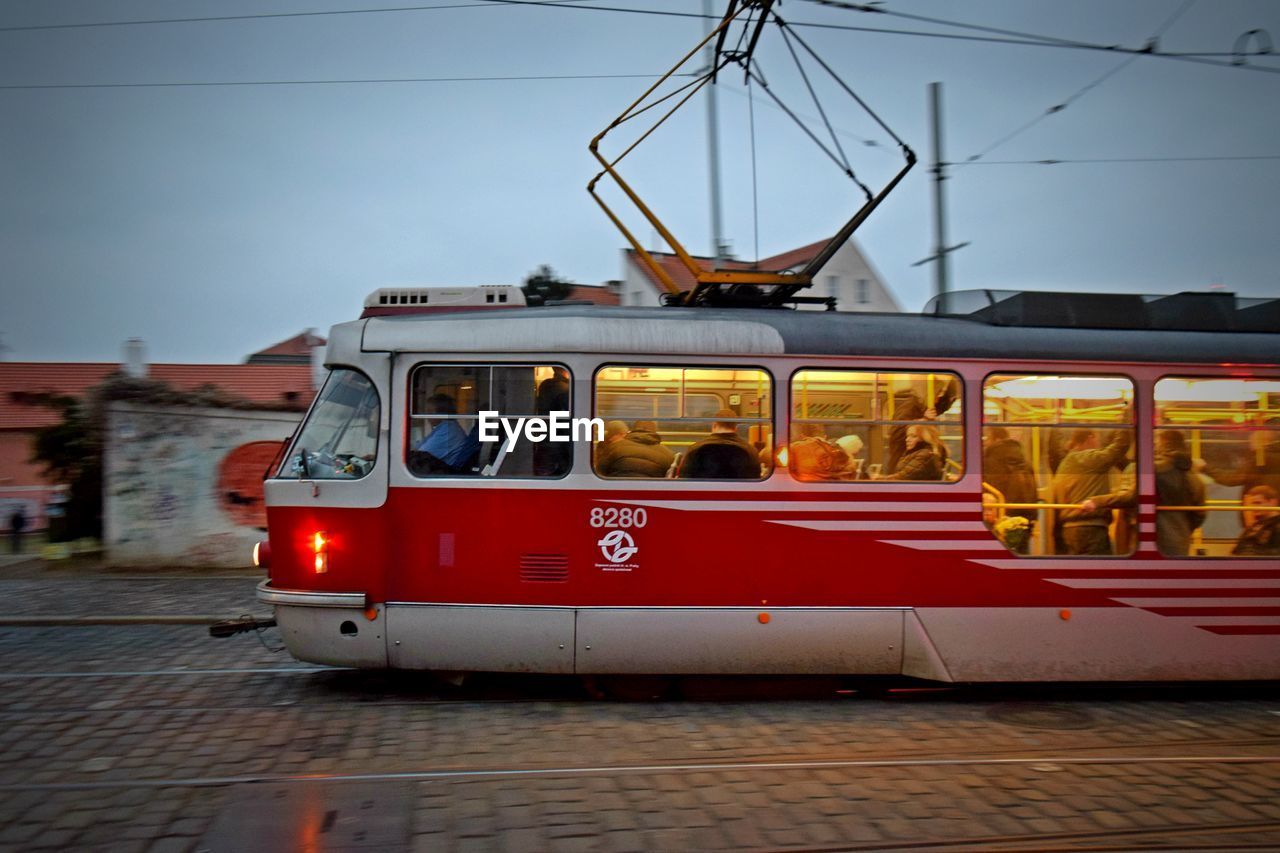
158 619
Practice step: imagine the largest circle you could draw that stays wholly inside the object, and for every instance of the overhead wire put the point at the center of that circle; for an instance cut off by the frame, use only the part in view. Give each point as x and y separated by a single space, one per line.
344 82
1082 91
1025 39
1087 160
257 16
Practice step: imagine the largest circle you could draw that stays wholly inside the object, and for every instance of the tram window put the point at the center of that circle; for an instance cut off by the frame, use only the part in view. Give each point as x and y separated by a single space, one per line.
1057 470
1217 466
339 441
445 402
848 425
684 422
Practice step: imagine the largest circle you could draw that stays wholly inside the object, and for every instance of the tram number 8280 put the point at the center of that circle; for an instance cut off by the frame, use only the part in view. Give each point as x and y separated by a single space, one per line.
619 517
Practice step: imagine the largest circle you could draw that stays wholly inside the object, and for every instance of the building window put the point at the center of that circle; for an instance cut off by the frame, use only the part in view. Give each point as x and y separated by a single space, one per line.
833 286
444 430
1217 467
707 423
848 426
862 291
1057 468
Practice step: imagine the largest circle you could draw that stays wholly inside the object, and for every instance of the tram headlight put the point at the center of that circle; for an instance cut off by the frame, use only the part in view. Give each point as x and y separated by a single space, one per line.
262 555
320 547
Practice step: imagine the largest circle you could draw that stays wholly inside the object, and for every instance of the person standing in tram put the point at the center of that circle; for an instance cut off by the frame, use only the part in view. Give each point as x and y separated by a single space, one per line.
1176 485
1257 465
723 455
1083 474
640 453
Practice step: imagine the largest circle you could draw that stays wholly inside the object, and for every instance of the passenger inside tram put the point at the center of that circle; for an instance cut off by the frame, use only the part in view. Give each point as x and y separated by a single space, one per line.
637 453
675 413
1261 534
723 455
1214 438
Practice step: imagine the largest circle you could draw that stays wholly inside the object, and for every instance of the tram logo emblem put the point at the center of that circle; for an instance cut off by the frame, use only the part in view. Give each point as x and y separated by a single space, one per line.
617 546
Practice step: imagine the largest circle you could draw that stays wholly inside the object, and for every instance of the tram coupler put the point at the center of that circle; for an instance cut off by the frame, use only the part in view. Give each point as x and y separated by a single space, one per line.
231 627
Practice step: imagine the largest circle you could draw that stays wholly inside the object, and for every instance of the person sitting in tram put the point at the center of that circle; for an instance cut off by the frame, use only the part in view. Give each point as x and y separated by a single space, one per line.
448 448
640 453
926 456
908 405
1261 534
723 455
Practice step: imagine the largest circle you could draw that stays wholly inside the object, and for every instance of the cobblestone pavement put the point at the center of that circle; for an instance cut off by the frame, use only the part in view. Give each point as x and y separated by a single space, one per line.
156 737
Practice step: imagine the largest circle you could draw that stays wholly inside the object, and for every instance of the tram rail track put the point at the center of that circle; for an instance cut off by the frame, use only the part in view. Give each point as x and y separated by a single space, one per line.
1060 842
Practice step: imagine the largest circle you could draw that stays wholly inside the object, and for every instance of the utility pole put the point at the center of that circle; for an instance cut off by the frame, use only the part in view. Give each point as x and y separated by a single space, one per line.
941 284
713 145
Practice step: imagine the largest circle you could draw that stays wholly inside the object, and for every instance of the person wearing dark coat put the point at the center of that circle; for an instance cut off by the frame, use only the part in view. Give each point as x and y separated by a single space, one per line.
1176 485
926 456
640 453
17 524
723 455
909 406
1004 466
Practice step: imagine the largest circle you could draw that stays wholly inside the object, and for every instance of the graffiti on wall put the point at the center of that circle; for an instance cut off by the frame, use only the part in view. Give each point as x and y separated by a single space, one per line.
184 486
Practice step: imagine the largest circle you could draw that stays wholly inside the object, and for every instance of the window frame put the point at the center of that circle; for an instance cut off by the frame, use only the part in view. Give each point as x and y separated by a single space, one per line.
1134 446
409 417
1156 426
771 421
962 422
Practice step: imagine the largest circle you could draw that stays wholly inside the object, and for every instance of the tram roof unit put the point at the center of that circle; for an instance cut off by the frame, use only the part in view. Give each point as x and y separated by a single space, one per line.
741 331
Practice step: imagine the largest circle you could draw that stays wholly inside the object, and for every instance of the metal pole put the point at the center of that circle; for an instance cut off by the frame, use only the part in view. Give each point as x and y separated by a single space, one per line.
713 146
939 212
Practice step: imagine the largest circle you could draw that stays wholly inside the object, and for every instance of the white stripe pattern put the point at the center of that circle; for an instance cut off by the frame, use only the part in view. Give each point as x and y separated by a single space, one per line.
1200 602
946 544
804 506
1165 583
924 526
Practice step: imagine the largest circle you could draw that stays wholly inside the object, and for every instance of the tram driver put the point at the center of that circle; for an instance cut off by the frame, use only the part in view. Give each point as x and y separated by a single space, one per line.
447 448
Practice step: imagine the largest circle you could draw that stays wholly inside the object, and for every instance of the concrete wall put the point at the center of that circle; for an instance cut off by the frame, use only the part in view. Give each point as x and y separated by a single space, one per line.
183 486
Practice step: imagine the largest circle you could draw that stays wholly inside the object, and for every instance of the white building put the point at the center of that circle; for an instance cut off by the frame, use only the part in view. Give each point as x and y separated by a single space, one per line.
848 276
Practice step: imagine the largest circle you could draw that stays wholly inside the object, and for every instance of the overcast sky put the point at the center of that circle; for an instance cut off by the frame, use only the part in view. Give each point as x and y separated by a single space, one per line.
212 221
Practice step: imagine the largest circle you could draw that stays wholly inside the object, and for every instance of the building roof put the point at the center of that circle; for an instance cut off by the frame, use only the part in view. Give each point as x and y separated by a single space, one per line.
285 385
595 294
680 274
295 350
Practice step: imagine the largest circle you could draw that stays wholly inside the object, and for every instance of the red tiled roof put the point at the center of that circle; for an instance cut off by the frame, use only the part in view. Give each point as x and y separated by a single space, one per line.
258 383
685 281
594 294
299 345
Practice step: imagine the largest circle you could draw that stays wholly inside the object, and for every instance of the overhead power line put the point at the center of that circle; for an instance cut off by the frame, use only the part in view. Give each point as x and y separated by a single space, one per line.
1082 91
1060 162
478 4
1023 39
354 81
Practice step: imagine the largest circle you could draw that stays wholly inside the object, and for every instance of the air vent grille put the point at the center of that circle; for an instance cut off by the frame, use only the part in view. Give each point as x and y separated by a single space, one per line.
544 568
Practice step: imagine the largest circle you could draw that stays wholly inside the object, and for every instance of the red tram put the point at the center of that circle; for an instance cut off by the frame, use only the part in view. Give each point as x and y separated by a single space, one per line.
391 548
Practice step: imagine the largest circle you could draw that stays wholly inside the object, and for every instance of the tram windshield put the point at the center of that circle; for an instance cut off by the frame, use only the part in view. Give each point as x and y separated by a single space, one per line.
339 440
